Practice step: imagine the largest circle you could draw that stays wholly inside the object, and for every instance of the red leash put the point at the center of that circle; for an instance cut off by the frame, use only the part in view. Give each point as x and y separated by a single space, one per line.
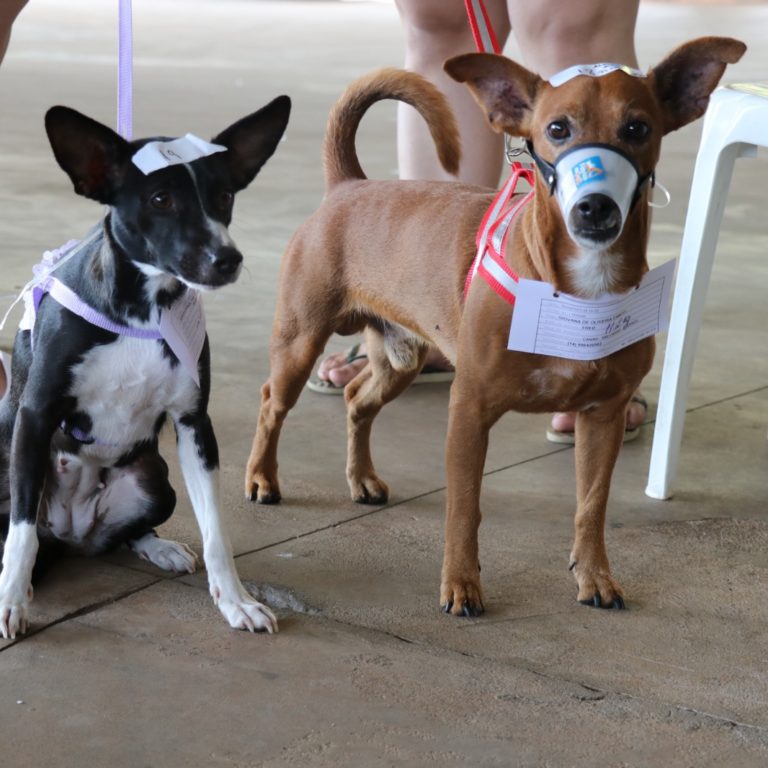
494 229
485 38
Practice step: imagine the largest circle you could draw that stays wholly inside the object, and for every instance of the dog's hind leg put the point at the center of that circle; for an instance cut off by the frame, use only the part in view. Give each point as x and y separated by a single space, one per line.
165 553
94 509
291 363
395 359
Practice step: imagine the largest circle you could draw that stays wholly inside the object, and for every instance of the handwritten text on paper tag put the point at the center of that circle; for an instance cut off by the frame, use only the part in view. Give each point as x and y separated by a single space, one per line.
160 154
561 325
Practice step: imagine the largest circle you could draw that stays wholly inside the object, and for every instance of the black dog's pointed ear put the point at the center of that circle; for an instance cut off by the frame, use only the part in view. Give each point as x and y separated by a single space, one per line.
684 80
505 90
252 140
90 153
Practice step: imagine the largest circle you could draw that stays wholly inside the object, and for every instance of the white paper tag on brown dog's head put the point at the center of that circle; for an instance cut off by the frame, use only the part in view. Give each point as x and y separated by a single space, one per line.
161 154
592 70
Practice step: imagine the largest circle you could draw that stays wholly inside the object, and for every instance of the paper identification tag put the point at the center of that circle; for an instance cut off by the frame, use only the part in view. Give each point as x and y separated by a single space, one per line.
161 154
561 325
183 328
592 70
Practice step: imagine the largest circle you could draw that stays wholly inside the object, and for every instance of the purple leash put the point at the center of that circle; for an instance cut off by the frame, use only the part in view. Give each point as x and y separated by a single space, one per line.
125 71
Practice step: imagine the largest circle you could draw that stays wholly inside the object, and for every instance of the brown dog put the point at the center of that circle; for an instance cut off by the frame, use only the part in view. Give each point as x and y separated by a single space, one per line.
392 257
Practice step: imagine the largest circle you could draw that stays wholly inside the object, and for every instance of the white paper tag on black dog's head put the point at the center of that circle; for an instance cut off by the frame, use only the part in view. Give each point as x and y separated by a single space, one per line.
161 154
592 70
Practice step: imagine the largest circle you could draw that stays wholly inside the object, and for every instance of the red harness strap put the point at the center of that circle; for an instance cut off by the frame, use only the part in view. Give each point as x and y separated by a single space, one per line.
493 233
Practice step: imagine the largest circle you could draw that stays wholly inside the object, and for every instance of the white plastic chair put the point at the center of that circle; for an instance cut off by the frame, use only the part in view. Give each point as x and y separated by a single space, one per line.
735 125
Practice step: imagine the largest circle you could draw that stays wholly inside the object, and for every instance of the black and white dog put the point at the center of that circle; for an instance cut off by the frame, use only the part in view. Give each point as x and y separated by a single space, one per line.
113 341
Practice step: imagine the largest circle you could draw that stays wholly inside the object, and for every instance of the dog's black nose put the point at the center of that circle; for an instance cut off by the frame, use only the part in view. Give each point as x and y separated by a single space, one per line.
596 212
227 261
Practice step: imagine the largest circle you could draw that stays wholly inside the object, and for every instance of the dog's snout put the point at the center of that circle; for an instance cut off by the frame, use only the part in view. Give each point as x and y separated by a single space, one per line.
597 211
595 220
227 261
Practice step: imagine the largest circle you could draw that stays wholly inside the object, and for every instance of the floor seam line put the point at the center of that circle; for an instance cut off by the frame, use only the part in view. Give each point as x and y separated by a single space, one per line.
77 613
717 719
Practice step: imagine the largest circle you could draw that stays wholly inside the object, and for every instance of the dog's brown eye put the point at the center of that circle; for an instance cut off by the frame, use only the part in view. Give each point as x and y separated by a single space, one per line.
161 200
558 130
635 130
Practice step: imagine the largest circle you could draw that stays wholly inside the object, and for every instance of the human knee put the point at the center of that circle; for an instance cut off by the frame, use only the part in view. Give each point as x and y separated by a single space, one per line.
581 29
433 17
434 31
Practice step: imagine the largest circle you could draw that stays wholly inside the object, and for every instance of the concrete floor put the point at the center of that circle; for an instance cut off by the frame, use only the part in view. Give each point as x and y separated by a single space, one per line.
125 666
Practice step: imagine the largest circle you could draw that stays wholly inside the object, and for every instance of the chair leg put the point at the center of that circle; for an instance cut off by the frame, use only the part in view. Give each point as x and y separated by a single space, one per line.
709 188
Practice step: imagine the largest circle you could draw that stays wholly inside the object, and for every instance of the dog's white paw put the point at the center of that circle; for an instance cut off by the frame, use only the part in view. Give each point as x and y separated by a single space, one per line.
14 611
166 554
247 613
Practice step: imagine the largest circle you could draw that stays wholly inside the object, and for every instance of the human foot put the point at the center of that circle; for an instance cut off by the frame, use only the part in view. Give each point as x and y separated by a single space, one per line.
341 367
564 423
338 369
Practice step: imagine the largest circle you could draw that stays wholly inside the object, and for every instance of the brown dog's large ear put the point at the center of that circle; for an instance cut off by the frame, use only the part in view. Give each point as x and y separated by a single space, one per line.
504 89
685 79
252 140
92 155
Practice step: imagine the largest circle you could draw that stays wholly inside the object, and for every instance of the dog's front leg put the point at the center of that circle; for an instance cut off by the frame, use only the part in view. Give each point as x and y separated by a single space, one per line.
29 460
466 447
198 456
599 434
19 556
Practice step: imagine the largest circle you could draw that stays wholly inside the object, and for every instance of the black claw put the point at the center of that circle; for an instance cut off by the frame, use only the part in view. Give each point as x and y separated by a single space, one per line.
366 498
593 602
447 607
471 611
269 498
617 604
572 566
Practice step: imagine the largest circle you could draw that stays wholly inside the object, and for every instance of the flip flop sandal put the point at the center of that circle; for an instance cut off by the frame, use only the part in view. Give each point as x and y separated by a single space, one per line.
630 434
429 375
323 387
5 364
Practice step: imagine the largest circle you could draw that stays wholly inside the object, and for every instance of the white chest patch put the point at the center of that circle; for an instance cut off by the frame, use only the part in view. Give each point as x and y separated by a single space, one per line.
124 387
594 273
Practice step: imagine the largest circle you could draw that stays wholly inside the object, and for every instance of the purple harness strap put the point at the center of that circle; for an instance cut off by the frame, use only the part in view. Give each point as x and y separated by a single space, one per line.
69 299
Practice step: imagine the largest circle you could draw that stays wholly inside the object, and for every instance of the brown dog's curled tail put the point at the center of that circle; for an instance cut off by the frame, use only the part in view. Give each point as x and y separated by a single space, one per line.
340 157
